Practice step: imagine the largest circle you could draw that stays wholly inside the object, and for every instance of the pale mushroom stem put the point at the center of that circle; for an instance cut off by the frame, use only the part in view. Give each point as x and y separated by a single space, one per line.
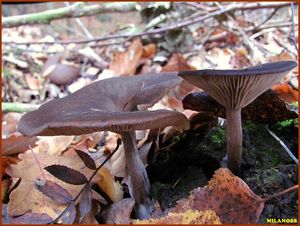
139 181
234 139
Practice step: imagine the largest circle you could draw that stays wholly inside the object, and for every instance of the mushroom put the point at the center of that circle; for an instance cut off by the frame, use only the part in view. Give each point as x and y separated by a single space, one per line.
112 104
267 108
234 89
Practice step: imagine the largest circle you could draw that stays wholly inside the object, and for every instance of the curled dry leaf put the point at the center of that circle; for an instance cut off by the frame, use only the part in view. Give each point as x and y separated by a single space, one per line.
26 198
228 196
149 50
119 212
286 92
125 63
108 184
17 143
186 217
66 174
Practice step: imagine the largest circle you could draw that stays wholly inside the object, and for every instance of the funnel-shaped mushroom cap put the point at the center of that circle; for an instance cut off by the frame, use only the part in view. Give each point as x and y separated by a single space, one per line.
235 89
106 105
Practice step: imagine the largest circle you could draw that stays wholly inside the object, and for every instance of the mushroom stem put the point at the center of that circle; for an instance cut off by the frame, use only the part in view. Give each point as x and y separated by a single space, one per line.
139 186
234 140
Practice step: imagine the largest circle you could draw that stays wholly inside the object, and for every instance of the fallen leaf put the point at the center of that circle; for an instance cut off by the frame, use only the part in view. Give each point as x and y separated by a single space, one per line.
53 191
26 198
69 215
66 174
53 145
228 196
32 82
108 184
17 143
90 217
125 63
286 92
87 160
186 217
149 50
28 218
85 202
119 212
10 123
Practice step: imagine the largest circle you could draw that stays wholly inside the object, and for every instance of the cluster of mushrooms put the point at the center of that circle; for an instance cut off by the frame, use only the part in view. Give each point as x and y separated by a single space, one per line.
117 104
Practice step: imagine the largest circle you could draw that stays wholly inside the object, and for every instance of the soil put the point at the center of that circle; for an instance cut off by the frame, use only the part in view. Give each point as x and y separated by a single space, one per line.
190 159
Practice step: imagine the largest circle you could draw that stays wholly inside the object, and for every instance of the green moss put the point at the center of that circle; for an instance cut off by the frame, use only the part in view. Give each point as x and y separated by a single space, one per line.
218 136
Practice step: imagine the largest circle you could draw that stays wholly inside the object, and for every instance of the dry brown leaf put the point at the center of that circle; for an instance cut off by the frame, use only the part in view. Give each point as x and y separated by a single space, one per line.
187 217
125 63
286 92
90 217
228 196
6 162
149 50
54 145
17 143
26 198
177 63
10 123
32 82
108 184
119 212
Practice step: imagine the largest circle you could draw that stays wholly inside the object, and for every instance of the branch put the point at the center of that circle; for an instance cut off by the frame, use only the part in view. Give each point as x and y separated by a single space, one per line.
118 36
18 107
78 9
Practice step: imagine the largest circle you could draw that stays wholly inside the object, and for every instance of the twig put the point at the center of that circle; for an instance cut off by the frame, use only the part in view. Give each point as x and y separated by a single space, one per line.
293 36
266 20
18 107
283 145
295 187
81 25
146 33
90 179
243 34
78 9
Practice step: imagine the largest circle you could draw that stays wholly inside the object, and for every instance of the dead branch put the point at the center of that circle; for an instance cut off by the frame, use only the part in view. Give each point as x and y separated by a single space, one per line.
78 9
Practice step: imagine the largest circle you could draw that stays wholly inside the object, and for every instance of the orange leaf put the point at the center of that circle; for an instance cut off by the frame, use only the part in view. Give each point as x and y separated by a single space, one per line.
125 63
177 63
228 196
6 162
286 92
149 50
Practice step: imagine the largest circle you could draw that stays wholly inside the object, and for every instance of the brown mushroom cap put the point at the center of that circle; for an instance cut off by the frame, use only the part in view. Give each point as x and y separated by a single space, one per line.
108 104
235 89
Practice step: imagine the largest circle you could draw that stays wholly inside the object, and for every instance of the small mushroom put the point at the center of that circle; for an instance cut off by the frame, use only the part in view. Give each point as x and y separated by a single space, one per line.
112 104
234 89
